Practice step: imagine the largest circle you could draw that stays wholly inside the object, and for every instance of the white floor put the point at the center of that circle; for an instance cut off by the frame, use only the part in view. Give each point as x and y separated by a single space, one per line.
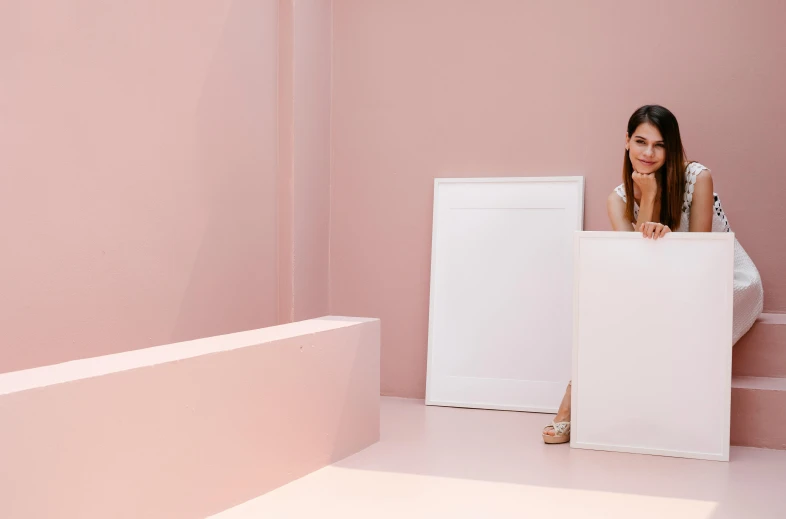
459 463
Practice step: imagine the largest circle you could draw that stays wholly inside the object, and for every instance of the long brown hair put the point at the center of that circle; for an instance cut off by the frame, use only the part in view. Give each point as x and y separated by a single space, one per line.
670 177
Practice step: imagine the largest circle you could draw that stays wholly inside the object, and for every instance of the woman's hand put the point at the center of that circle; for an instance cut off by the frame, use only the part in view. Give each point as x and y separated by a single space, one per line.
647 183
654 230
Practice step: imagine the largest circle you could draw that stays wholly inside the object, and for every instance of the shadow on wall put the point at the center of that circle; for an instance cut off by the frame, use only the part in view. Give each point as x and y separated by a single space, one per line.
232 277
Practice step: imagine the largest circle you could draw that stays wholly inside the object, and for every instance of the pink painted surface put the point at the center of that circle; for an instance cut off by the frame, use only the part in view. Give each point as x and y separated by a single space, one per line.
758 395
286 172
440 462
757 412
304 158
443 88
138 160
187 430
312 90
762 351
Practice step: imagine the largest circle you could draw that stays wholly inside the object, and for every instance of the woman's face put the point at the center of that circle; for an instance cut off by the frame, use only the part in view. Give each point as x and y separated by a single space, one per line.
646 149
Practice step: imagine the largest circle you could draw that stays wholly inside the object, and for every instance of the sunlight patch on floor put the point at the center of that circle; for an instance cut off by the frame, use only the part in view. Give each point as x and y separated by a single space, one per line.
335 492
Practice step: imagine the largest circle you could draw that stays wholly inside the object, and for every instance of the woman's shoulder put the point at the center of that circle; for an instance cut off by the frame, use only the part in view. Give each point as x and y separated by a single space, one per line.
694 168
695 173
698 179
619 192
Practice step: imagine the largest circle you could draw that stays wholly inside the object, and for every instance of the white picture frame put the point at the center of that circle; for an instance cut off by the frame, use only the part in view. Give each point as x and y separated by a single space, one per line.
501 291
652 343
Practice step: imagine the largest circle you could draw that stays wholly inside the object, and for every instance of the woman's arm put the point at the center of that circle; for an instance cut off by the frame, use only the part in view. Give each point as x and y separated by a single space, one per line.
646 212
648 185
616 209
702 204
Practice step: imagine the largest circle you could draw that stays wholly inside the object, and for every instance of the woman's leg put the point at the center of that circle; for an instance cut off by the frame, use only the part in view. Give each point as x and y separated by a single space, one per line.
563 414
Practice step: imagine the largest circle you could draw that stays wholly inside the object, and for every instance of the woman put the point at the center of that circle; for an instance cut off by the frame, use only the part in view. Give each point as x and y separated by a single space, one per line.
663 192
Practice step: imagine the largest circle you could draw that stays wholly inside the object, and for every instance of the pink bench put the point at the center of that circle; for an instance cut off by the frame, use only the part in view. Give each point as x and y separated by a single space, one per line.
189 429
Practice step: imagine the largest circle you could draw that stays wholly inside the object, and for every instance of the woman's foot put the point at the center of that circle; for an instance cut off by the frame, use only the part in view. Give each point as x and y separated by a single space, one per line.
559 430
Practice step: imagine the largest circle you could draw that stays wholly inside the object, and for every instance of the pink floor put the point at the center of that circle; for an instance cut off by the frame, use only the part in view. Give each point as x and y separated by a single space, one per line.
459 463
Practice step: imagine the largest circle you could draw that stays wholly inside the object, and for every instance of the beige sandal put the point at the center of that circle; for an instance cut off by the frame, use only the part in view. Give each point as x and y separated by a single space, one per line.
561 432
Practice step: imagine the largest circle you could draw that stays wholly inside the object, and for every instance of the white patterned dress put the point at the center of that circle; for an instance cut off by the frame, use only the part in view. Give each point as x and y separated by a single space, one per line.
748 290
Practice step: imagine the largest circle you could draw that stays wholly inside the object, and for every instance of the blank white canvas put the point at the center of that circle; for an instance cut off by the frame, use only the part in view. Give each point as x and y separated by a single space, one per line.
652 345
500 320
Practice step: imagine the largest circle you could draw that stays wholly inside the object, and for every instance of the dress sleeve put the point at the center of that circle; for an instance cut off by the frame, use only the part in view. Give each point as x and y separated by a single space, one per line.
620 190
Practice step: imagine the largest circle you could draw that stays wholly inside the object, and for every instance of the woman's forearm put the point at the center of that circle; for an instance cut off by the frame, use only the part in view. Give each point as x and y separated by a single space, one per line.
646 211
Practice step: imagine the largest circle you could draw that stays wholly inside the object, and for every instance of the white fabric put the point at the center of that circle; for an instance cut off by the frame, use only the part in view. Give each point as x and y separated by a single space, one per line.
748 290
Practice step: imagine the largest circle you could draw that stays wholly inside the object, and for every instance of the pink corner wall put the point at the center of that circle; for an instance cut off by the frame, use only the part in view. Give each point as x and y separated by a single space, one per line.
285 188
311 114
197 168
441 88
305 39
137 172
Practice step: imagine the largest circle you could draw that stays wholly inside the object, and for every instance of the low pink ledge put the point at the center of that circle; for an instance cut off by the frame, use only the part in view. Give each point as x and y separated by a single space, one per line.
190 429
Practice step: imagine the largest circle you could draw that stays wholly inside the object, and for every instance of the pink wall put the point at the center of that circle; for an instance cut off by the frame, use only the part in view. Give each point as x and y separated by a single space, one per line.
304 157
162 164
442 88
138 161
286 162
312 52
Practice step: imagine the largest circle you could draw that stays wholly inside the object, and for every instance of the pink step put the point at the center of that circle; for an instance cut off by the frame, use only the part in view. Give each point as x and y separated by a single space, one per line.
758 397
188 429
758 412
762 351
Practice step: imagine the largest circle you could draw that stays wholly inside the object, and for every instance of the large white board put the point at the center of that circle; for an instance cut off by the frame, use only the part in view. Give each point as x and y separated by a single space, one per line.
652 344
500 320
